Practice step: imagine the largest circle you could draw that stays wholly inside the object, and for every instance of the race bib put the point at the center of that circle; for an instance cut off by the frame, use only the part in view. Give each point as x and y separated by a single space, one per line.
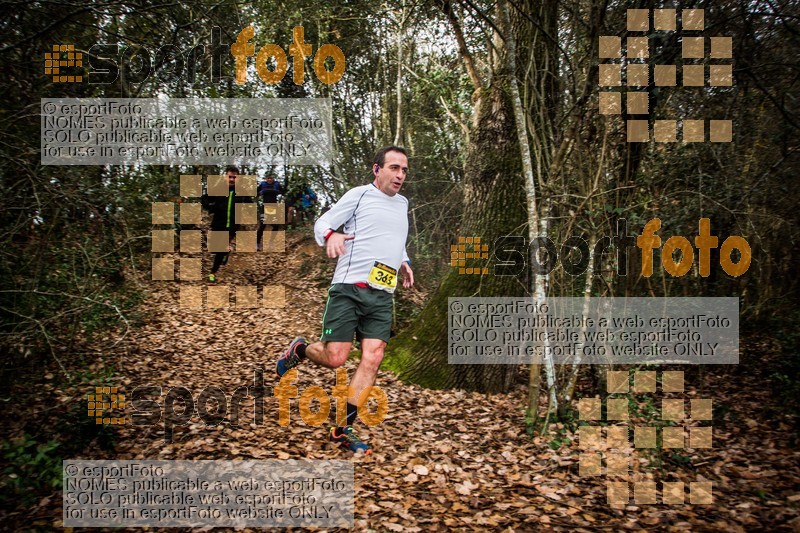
382 277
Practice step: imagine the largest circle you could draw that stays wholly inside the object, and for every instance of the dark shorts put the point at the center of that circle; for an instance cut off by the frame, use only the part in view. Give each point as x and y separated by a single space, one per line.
351 309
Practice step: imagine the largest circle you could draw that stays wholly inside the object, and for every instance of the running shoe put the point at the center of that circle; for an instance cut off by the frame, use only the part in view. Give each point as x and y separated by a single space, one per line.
212 278
347 438
290 358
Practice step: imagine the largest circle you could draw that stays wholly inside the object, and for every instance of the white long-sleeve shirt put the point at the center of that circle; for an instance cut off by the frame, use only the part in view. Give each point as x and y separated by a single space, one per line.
380 225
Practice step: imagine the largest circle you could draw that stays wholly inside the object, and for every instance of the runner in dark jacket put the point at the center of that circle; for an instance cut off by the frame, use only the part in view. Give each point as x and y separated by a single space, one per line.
223 217
268 190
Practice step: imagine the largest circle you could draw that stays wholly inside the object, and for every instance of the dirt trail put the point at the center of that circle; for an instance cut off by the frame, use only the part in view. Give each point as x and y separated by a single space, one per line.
443 459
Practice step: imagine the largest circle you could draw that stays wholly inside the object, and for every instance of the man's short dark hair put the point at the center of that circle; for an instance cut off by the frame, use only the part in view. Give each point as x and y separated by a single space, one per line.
230 168
380 157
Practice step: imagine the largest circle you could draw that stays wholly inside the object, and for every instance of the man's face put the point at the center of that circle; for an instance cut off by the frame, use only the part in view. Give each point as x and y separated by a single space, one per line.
231 178
390 177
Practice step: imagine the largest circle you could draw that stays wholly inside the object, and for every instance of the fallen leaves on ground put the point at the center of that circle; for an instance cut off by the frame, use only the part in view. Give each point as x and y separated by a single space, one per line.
443 459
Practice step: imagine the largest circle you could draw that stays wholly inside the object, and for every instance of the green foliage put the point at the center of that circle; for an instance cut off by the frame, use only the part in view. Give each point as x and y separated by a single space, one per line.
644 408
559 433
31 468
32 465
559 440
677 458
559 426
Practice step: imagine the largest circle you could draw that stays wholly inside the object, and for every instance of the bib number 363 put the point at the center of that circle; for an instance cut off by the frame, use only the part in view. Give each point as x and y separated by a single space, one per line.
382 277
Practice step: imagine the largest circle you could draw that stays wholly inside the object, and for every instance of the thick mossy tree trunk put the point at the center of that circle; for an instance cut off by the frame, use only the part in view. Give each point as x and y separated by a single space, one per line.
495 205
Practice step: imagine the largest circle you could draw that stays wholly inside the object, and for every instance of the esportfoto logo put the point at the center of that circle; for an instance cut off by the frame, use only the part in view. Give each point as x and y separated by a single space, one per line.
106 63
512 254
632 69
63 55
174 407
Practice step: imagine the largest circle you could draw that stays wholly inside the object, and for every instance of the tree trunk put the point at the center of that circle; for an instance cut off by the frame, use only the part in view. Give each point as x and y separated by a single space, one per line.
495 205
535 228
398 132
534 44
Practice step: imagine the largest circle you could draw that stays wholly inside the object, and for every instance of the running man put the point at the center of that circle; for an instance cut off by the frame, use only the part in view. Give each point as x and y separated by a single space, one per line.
268 190
223 218
371 251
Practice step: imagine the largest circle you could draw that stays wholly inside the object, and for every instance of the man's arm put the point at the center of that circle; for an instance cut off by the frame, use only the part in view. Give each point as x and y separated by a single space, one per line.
340 213
405 268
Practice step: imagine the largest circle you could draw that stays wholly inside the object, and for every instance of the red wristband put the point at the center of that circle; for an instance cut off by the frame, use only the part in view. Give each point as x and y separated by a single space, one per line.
327 234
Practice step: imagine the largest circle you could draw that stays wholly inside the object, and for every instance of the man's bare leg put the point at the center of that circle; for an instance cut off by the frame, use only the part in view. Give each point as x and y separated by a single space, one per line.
334 354
329 354
367 371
